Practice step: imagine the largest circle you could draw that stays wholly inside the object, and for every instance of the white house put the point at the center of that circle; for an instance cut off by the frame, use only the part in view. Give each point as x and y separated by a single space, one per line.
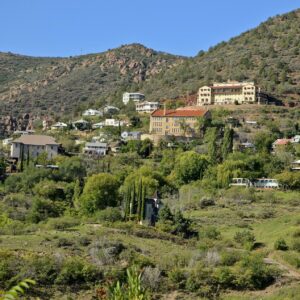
59 125
95 148
34 145
295 139
133 135
98 125
146 107
135 97
92 113
113 122
7 142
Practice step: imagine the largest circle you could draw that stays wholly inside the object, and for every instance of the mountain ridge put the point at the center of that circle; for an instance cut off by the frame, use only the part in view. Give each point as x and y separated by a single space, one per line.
267 54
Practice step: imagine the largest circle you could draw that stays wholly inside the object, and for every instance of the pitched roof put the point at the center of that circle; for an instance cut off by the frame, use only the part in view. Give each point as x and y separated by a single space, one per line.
35 139
180 112
282 141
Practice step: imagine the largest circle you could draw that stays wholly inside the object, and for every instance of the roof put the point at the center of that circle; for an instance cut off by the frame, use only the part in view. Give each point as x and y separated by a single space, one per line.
34 139
282 141
96 144
182 112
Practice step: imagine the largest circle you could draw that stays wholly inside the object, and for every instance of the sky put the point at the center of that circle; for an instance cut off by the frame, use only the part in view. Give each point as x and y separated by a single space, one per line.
74 27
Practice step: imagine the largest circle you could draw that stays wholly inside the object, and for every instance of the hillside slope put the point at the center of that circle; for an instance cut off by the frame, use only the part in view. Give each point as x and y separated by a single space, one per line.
268 54
60 85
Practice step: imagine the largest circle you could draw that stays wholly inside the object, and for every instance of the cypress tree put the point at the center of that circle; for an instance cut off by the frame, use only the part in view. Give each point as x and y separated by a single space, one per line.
227 142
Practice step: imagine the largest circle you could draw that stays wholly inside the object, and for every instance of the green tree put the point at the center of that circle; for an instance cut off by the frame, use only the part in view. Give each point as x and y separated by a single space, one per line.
190 166
227 142
99 192
210 138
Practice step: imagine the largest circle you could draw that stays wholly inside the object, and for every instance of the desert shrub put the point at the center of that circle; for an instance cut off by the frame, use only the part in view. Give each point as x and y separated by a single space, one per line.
76 271
177 277
64 242
84 241
63 223
151 278
104 252
109 214
229 258
224 277
280 244
211 233
202 282
43 269
296 234
296 244
245 238
13 227
205 202
252 273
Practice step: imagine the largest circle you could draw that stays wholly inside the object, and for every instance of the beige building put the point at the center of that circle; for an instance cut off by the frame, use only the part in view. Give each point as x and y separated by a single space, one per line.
229 93
177 122
34 145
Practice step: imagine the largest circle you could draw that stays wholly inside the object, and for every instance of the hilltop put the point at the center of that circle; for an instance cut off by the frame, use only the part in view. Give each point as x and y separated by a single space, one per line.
268 54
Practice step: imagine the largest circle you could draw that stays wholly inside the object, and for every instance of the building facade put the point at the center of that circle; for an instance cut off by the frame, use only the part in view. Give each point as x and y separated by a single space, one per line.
146 107
34 145
135 97
95 148
92 113
177 122
230 93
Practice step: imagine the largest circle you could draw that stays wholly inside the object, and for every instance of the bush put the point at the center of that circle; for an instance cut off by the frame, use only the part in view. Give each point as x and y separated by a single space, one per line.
177 277
109 214
245 238
229 258
296 245
63 223
280 244
76 271
64 242
211 233
205 202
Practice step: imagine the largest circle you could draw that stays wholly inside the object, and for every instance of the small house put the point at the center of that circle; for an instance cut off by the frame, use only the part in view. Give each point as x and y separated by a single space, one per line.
59 125
92 113
131 135
95 148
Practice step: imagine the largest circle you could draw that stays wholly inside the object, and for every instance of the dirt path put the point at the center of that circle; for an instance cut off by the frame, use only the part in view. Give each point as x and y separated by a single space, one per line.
289 271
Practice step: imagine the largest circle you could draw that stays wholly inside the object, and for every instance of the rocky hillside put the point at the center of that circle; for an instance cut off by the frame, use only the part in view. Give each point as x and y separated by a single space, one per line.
64 85
268 54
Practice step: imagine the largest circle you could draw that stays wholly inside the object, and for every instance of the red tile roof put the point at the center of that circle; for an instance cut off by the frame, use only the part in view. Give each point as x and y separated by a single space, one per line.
186 112
282 141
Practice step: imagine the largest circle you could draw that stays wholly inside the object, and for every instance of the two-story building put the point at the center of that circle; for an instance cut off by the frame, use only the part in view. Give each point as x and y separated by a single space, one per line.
34 145
177 122
231 92
95 148
146 107
135 97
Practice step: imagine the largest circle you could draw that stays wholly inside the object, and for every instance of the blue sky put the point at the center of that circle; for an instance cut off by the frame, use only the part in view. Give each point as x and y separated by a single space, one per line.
72 27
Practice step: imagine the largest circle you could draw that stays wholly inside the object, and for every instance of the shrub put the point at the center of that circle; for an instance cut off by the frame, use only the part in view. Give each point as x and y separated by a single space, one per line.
211 233
109 214
63 223
205 202
151 278
280 244
229 258
75 270
177 277
296 245
245 238
64 242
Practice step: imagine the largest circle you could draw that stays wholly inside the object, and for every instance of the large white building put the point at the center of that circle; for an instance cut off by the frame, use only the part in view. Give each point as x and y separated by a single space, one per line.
135 97
229 93
146 107
34 145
